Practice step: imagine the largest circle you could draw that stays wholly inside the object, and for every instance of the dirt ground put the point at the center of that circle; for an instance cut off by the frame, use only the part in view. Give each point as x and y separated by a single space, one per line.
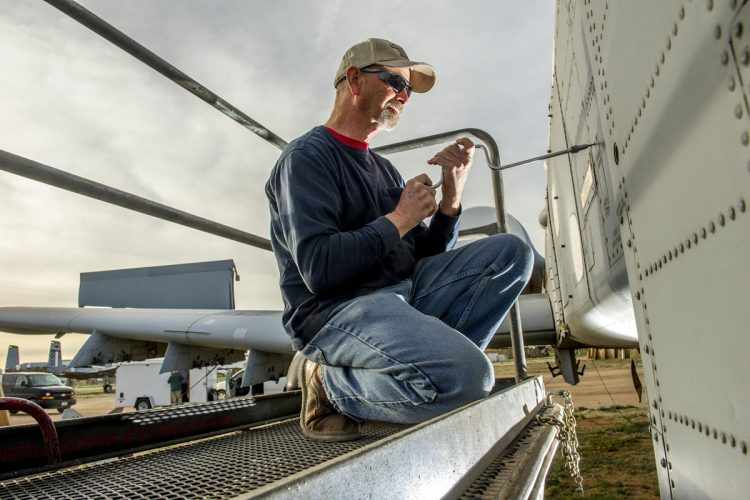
604 383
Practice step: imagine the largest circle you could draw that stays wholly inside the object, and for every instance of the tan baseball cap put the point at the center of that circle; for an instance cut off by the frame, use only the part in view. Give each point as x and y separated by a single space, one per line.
379 51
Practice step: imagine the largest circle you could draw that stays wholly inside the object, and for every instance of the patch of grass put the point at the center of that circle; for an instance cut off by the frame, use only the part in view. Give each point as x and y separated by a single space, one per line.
617 459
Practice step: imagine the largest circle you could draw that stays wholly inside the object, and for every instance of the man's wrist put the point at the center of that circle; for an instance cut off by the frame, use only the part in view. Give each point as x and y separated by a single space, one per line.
401 225
450 208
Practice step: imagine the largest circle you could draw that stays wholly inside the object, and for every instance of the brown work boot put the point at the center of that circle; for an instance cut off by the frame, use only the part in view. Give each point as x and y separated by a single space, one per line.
318 419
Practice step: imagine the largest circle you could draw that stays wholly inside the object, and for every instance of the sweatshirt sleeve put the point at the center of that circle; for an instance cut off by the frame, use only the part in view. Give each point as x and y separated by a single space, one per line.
309 205
440 236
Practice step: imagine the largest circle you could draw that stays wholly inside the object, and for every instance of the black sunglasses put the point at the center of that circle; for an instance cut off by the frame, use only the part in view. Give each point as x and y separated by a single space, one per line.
396 81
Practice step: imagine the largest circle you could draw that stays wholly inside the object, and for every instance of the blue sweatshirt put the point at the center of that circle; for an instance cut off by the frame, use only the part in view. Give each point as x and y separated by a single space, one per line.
329 233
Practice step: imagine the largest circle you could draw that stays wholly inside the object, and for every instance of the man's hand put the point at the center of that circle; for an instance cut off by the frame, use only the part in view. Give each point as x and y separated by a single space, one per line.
456 162
417 202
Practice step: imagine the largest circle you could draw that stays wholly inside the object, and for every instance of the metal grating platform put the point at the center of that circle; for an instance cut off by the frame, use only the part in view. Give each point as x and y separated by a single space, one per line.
221 467
94 438
155 415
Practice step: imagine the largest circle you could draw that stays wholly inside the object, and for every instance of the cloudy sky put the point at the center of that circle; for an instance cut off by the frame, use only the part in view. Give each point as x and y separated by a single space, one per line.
75 102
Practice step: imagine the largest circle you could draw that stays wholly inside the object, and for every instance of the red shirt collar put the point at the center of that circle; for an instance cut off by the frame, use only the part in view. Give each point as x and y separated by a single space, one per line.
348 141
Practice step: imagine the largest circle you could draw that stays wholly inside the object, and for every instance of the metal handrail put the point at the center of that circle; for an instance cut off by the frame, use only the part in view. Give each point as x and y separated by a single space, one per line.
135 49
48 175
49 432
492 154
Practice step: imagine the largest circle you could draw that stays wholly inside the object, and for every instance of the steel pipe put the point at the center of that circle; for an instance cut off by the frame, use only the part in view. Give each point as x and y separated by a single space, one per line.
570 150
514 315
123 41
48 175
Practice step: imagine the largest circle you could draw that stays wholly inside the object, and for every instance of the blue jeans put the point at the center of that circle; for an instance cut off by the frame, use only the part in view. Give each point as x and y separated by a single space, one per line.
412 351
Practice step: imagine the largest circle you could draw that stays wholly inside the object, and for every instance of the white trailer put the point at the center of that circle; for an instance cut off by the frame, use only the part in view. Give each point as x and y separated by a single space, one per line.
140 385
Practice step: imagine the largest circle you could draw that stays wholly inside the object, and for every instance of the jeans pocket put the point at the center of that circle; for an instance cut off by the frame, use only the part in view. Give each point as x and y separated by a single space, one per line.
416 386
314 354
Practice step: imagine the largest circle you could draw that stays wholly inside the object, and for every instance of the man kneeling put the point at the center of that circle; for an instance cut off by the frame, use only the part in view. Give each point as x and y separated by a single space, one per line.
391 321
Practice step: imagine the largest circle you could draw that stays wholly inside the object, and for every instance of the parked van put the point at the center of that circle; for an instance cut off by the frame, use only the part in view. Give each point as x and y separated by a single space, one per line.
44 389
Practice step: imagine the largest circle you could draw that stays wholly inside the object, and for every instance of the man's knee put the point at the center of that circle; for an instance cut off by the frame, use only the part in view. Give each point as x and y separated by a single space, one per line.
514 255
473 379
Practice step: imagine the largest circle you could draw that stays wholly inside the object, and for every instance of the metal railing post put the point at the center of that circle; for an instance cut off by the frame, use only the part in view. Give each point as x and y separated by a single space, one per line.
492 153
514 315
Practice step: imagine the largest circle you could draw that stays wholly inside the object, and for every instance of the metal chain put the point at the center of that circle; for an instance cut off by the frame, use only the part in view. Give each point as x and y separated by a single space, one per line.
568 437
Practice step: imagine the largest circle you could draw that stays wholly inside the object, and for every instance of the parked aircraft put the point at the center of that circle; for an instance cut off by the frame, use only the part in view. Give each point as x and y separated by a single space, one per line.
649 231
55 364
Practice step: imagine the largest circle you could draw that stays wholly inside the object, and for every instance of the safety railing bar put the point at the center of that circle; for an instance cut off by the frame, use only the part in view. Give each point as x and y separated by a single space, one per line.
121 40
491 150
492 154
70 182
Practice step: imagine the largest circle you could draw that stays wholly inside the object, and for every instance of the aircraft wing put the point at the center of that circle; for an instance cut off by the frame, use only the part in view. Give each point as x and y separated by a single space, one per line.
220 329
